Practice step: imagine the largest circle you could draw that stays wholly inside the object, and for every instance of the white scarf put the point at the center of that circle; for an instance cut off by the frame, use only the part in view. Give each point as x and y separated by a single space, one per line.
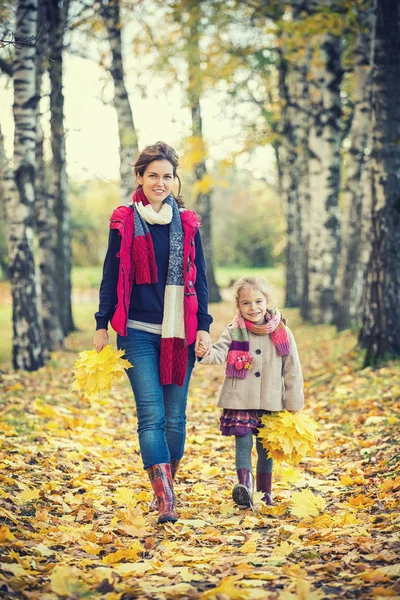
155 218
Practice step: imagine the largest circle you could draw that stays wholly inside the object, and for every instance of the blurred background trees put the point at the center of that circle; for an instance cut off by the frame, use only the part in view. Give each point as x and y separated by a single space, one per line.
305 174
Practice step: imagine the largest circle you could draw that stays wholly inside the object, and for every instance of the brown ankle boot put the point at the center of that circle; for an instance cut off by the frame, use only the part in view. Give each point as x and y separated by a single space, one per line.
242 493
161 480
264 484
174 467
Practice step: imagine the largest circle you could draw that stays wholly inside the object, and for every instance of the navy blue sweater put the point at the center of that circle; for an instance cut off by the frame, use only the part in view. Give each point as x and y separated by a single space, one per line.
147 300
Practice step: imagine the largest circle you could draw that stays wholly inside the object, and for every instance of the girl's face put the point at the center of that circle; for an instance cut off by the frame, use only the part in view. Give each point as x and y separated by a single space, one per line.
252 305
157 182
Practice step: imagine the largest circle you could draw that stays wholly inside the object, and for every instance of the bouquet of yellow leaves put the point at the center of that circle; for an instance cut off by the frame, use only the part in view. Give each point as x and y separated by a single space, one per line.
95 372
288 436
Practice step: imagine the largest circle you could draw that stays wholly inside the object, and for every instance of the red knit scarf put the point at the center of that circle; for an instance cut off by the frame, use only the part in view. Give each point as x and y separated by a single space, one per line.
174 351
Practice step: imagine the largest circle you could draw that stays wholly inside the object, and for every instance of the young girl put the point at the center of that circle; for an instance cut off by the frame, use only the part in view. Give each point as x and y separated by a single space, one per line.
263 374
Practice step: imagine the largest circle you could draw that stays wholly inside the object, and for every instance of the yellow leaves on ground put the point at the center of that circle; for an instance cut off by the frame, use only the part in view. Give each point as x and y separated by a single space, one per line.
27 496
288 436
6 534
226 589
306 504
96 372
303 591
360 502
74 499
68 581
130 554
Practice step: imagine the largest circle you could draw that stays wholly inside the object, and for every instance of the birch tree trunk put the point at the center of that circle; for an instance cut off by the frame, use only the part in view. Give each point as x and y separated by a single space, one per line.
27 337
324 168
7 193
57 15
293 87
380 331
203 198
128 142
289 189
349 279
45 221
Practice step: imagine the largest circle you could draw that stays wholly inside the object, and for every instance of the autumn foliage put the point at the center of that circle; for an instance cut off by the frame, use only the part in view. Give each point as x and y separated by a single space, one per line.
74 520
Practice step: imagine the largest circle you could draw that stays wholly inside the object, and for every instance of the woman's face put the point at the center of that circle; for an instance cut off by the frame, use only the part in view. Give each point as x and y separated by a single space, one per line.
157 181
252 304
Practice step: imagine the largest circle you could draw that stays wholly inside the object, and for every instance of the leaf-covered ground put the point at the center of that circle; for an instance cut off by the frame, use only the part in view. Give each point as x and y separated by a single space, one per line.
74 518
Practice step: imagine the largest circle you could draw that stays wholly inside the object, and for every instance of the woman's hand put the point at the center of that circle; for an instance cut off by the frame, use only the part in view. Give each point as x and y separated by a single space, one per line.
203 338
100 339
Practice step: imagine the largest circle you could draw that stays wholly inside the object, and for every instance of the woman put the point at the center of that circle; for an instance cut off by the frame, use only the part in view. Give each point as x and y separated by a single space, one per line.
154 293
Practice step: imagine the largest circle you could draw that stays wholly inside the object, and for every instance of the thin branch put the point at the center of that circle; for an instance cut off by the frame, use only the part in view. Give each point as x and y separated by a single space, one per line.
31 41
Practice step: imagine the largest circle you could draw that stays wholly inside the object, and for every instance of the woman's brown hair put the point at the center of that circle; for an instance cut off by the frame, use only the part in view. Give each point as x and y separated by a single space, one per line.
159 151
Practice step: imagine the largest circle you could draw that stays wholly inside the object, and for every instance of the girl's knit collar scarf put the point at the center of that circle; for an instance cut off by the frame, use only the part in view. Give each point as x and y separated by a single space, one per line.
239 360
174 351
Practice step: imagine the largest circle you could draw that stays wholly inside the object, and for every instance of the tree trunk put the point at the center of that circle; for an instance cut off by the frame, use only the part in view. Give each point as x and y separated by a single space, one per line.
203 198
45 222
380 331
7 194
324 168
349 279
57 17
27 338
293 89
128 143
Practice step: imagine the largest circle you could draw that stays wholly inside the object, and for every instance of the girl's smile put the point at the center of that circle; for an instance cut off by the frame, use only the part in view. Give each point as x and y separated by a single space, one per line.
252 305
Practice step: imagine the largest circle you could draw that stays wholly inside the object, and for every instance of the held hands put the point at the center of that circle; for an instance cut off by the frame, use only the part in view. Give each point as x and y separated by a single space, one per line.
202 347
100 339
201 350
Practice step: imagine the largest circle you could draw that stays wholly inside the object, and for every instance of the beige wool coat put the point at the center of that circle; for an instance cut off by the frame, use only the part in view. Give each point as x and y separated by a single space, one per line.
274 383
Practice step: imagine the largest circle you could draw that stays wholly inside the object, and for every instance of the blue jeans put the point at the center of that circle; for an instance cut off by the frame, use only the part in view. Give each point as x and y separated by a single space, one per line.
161 409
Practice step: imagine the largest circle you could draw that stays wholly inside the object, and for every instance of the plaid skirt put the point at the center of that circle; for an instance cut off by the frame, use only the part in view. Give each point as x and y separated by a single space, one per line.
241 422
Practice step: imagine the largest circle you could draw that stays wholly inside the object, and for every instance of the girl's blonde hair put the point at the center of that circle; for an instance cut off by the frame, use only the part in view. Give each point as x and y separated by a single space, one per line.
257 283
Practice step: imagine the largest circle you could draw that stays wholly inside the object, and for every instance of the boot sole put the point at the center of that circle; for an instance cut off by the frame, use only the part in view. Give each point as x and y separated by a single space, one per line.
167 520
241 495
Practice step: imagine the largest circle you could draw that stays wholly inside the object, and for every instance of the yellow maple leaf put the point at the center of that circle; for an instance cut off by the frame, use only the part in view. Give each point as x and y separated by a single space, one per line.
226 589
125 496
288 436
303 592
361 501
6 534
96 372
129 554
306 504
67 581
27 495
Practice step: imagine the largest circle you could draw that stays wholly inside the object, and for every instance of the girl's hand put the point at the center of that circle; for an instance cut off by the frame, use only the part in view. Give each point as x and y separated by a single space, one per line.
204 338
100 339
201 349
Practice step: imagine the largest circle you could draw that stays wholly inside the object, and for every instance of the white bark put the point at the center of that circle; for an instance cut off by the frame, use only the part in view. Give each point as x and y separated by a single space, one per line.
324 169
128 143
294 166
7 193
57 16
45 224
27 340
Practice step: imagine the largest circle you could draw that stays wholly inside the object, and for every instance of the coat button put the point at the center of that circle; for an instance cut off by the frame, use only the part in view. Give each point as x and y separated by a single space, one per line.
257 374
258 351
